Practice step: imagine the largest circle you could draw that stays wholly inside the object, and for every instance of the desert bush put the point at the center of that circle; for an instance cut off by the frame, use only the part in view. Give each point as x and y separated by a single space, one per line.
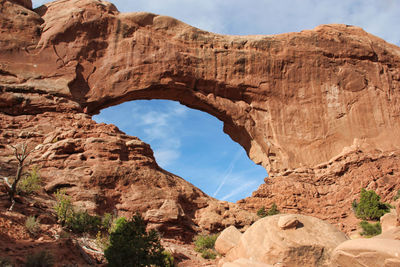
31 182
261 212
273 210
32 225
209 254
169 260
205 245
354 205
63 207
397 196
83 222
102 240
370 229
4 262
107 221
370 207
132 245
40 259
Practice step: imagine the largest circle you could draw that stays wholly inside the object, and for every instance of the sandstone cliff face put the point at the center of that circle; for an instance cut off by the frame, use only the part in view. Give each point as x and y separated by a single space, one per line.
293 101
104 170
290 100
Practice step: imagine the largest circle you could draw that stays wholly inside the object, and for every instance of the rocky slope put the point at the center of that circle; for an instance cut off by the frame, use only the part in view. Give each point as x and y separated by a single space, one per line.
328 190
317 108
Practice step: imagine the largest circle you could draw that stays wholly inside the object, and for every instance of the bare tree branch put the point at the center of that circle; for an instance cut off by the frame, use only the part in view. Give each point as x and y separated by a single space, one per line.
20 154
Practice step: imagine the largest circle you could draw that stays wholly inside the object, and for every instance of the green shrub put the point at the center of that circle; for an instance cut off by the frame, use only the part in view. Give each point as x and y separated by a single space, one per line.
168 259
397 196
31 182
132 245
370 229
32 225
370 207
102 240
209 254
261 212
273 210
40 259
83 222
205 245
354 205
202 242
4 262
63 208
107 221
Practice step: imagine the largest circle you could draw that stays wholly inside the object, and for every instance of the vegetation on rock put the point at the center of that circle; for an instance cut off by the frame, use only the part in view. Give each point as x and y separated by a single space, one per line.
21 153
40 259
76 221
272 211
31 182
370 229
132 245
397 196
370 207
205 245
63 207
4 262
32 225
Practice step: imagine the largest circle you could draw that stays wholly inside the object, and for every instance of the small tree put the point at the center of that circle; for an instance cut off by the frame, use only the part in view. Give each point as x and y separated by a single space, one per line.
273 210
21 152
132 245
370 207
261 212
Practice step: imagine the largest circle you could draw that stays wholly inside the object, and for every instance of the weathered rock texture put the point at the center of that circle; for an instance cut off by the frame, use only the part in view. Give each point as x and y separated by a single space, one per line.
290 100
104 170
328 190
310 243
293 101
367 253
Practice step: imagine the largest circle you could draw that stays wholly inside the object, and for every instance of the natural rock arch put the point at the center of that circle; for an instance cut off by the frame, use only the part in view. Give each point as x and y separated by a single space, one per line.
291 100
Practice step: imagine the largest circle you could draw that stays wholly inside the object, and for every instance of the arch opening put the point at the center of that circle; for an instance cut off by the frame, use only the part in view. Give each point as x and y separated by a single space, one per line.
191 144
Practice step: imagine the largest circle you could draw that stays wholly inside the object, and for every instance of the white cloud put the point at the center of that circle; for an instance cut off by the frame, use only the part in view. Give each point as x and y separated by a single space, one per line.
161 127
228 172
166 157
244 188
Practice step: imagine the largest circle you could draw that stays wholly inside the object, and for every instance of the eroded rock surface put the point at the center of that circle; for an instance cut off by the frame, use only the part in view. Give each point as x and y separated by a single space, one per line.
328 190
105 170
296 102
291 100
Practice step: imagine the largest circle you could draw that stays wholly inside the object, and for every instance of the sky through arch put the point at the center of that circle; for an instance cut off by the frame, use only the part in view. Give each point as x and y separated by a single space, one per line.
191 144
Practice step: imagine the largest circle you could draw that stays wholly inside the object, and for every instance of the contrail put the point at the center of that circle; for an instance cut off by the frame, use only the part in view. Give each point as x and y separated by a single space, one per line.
228 171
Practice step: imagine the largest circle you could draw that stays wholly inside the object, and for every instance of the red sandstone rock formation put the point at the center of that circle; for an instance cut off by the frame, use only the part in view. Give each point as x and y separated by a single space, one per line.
293 101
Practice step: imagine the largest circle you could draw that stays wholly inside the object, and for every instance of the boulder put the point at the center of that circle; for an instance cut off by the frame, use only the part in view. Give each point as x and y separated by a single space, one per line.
288 222
389 220
227 240
367 253
292 240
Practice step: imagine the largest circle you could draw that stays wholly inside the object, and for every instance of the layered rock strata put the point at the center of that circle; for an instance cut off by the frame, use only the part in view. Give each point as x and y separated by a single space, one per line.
294 102
291 100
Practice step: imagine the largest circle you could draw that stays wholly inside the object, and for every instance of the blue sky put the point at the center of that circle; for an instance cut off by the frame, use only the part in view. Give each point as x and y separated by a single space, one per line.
191 143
